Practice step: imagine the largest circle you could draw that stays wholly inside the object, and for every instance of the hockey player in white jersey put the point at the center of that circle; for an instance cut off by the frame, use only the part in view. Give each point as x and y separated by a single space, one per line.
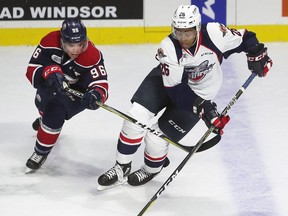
184 83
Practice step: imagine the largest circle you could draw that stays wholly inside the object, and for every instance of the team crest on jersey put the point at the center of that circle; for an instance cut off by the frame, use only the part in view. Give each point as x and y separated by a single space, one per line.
56 58
223 29
197 73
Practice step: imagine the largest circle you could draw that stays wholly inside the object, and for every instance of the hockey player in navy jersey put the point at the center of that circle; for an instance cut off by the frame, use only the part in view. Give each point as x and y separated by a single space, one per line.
184 83
63 57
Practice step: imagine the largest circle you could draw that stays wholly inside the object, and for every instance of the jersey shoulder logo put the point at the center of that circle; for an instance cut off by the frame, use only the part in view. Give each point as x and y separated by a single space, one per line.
223 29
160 53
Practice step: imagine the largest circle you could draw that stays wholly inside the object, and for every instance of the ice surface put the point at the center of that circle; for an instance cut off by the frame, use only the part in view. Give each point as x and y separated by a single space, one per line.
246 174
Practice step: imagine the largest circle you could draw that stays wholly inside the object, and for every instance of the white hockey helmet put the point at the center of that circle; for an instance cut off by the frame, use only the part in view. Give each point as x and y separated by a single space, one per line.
187 16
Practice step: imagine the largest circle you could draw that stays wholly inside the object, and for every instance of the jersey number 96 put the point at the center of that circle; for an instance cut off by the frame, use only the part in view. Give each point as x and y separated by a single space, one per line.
99 71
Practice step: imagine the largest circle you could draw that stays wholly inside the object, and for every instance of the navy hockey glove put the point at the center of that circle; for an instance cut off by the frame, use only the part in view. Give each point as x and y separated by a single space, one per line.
258 60
209 114
54 78
89 99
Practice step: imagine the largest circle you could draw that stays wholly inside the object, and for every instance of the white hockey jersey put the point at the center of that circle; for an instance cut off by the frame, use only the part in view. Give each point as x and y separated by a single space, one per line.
200 67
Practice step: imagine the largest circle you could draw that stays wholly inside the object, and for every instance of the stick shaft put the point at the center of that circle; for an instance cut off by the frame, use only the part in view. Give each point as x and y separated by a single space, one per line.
206 145
198 145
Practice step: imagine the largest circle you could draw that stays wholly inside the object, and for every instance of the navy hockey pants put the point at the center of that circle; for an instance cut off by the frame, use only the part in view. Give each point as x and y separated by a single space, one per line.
56 108
174 122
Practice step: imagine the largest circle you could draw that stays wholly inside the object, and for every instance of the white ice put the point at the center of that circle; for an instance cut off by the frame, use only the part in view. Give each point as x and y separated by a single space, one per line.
246 174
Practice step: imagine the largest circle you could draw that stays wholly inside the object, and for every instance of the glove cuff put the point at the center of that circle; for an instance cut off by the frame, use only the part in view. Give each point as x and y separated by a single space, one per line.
254 50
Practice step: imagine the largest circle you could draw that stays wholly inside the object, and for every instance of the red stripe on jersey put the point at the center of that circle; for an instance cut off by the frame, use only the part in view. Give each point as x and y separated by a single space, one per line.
199 42
91 56
30 73
102 88
130 141
154 159
103 94
103 85
47 138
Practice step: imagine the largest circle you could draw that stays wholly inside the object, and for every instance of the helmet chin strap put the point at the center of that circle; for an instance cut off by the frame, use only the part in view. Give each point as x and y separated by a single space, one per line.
195 41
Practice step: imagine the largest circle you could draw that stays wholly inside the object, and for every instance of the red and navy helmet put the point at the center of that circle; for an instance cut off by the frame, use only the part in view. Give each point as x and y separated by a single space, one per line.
73 31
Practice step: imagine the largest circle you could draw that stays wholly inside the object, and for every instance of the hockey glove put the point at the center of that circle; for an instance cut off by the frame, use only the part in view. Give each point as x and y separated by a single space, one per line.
209 114
54 78
89 99
258 60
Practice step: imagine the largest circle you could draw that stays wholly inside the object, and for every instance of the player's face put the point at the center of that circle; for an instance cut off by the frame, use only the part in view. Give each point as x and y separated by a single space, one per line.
74 49
186 37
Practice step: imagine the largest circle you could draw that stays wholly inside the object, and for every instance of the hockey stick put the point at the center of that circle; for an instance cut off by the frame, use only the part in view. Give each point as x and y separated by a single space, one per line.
197 146
210 143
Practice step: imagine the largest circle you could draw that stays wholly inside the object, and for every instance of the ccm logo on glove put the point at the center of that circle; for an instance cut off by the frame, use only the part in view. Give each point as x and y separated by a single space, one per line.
54 78
258 60
50 70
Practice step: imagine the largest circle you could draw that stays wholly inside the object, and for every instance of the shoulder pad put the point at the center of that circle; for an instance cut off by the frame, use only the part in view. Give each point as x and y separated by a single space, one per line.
91 56
52 39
